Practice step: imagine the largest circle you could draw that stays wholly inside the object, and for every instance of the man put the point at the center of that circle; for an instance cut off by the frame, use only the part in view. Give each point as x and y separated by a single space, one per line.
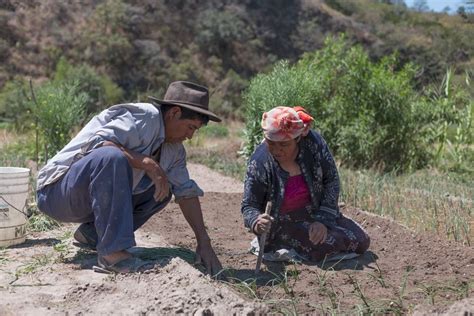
122 168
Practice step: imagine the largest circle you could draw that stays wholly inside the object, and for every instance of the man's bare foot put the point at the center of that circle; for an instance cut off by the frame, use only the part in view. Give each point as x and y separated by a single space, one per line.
115 257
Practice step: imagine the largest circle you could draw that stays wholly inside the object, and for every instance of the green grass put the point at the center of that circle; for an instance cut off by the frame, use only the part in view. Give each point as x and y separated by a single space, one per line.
63 248
214 160
211 131
425 200
34 265
285 280
456 290
39 222
214 130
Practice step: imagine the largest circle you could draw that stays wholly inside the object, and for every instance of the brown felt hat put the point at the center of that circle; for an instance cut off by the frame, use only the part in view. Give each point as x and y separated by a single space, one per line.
188 95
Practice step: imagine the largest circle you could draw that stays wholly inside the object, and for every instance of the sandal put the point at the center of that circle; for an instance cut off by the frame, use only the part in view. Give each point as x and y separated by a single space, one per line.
129 265
86 236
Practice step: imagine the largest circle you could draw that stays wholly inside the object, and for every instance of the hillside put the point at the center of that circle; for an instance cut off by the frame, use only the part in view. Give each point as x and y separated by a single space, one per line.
143 45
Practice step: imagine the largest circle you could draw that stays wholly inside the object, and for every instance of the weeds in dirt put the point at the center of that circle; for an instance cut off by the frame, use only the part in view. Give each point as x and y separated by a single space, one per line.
246 287
366 308
3 258
38 262
283 306
285 280
111 277
327 289
378 274
393 305
63 248
370 307
453 291
39 222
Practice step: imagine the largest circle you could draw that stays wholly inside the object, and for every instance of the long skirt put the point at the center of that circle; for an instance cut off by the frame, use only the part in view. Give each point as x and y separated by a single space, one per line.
293 232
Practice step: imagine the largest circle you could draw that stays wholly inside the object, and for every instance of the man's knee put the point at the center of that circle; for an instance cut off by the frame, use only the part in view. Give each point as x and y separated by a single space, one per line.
110 154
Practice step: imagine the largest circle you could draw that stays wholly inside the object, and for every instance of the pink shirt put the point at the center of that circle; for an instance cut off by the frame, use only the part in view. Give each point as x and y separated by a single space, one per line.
297 195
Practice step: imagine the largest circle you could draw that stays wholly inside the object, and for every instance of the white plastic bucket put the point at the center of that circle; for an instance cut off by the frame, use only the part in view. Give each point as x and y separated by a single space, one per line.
13 194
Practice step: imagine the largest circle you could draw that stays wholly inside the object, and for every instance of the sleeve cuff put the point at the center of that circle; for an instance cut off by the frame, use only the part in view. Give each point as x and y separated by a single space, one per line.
189 190
252 225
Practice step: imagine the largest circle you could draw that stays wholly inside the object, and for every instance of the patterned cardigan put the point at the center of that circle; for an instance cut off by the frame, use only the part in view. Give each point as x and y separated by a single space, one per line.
265 181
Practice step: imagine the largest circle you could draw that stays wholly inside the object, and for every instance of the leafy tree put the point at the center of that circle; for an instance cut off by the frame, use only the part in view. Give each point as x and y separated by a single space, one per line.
469 6
394 2
421 6
104 38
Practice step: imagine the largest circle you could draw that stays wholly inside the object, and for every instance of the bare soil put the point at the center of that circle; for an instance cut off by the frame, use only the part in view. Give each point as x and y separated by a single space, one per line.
403 271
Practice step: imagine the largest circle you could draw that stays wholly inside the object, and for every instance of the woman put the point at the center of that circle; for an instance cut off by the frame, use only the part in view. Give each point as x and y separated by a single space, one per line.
294 169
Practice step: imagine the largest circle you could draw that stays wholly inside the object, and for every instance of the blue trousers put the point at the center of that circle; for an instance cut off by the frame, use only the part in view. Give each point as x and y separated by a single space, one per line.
98 188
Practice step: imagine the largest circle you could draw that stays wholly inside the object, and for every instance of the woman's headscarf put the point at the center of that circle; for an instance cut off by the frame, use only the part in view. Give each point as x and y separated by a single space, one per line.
284 123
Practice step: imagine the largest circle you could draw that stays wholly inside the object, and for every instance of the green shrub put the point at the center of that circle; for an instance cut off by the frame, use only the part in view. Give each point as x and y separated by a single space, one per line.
16 101
102 91
14 104
58 109
369 113
214 130
216 30
226 99
451 124
103 39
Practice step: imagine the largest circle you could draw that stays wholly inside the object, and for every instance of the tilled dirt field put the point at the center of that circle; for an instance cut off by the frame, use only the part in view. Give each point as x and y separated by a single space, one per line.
403 272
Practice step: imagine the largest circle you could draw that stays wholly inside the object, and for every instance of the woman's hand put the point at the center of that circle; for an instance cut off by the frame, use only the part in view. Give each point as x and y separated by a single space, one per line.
317 233
263 224
158 176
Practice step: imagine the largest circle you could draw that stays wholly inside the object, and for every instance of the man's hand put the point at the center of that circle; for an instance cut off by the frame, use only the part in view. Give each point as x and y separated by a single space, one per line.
263 224
317 233
158 176
151 167
191 208
206 255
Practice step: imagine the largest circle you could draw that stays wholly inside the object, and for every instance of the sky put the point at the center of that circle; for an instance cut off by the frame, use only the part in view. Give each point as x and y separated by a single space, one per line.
439 5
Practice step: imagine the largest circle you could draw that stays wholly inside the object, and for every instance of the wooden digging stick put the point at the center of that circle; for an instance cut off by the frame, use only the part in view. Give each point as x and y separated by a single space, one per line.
263 239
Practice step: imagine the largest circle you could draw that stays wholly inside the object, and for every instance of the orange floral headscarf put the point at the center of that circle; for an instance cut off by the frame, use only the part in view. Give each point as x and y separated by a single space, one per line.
284 123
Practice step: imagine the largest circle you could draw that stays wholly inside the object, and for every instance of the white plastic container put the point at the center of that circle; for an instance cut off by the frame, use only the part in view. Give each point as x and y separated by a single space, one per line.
13 195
